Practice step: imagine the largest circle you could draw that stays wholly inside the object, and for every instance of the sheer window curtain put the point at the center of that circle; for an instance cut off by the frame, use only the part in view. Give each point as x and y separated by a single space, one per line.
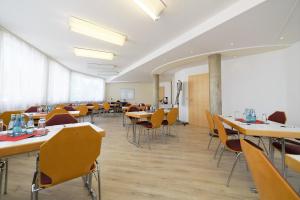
58 83
86 88
23 74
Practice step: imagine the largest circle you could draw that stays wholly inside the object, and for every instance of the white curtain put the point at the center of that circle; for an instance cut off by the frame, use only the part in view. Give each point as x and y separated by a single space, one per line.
23 72
58 83
86 88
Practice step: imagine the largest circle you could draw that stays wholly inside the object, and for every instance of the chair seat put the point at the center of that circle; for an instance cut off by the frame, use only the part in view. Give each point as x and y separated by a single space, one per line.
228 131
165 122
235 145
289 148
142 122
146 124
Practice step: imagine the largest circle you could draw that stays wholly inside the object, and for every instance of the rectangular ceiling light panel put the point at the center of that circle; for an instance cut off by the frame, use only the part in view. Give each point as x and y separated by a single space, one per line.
153 8
90 53
89 29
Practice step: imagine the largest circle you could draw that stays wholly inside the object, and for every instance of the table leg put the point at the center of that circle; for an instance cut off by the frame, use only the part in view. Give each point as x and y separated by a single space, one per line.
271 150
283 157
6 176
92 117
123 119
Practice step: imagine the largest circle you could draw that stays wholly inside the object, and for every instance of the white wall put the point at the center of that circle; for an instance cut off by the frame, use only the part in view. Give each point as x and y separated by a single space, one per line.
167 86
143 91
266 82
292 63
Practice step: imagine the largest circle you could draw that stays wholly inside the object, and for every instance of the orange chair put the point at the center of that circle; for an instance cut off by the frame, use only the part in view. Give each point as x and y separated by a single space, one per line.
83 111
32 109
59 119
154 124
60 159
5 116
213 132
96 108
171 120
56 111
106 107
232 145
268 181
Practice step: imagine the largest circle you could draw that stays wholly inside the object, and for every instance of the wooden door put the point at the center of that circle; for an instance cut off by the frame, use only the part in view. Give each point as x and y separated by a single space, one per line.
161 93
198 99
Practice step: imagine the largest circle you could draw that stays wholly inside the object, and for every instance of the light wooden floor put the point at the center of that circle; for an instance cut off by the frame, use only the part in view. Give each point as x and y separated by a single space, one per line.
182 169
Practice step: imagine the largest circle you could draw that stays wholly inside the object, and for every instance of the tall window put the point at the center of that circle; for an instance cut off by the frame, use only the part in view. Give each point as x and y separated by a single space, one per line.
22 74
58 84
28 78
86 88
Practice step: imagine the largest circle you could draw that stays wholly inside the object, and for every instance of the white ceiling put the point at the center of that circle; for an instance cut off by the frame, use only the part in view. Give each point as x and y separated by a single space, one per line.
44 24
261 26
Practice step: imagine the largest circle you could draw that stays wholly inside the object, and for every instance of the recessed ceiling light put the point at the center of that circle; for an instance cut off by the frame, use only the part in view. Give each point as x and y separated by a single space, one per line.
91 53
281 38
153 8
90 29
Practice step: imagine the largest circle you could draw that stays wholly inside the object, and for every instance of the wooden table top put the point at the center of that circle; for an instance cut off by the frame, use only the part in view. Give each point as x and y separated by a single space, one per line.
139 114
293 162
272 129
36 115
10 148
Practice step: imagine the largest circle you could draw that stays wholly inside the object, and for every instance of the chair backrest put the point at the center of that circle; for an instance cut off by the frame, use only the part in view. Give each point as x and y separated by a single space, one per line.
278 116
32 109
210 121
58 119
172 116
96 106
56 111
60 106
221 130
69 108
106 106
5 116
157 118
69 154
83 110
268 181
133 109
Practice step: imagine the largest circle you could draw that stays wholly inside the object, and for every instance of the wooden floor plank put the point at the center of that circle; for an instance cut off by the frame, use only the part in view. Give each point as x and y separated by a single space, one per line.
181 169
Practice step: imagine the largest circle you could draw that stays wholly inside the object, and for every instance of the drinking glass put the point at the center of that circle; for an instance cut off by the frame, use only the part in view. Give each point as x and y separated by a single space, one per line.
264 117
237 115
1 125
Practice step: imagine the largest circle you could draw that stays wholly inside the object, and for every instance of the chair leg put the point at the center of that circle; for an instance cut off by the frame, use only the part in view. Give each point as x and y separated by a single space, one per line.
148 138
215 155
6 176
2 165
222 151
233 167
211 137
99 182
264 146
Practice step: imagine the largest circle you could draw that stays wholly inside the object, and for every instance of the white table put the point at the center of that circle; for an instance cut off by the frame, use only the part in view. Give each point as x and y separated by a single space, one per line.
293 162
11 148
270 130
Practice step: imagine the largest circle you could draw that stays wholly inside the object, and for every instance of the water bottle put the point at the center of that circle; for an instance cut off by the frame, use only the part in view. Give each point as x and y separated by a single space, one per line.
17 129
11 125
23 124
253 119
30 125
